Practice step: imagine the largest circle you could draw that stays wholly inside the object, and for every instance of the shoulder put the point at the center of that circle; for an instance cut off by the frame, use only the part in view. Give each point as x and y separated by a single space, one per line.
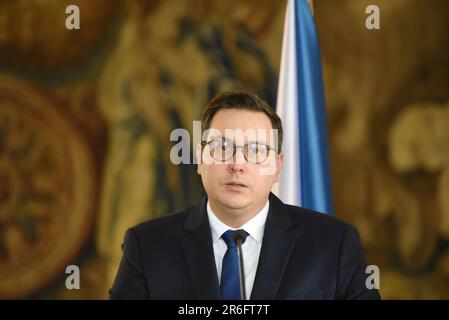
314 218
167 227
301 218
320 225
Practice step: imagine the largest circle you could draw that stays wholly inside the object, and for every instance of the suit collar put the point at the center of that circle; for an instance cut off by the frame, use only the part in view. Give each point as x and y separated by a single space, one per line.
254 227
196 216
196 245
277 247
279 214
281 218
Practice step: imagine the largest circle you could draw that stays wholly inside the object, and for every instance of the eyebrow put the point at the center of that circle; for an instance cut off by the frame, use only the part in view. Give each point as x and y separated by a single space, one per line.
221 138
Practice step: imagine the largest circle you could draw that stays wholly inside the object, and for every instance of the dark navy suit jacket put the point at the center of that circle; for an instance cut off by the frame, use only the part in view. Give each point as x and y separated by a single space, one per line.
304 255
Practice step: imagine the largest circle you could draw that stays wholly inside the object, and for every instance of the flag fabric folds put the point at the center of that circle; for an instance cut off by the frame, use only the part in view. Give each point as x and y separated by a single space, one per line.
305 179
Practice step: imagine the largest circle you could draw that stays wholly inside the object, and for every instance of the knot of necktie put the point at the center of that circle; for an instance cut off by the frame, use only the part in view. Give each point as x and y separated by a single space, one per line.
229 237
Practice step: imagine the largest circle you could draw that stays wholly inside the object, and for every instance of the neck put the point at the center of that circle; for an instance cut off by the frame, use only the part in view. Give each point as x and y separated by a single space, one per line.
235 218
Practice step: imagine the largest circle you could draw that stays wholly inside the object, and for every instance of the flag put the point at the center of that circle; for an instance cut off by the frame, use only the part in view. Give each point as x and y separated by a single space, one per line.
305 179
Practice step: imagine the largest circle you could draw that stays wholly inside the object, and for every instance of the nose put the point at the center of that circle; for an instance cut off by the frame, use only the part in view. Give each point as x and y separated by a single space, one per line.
238 163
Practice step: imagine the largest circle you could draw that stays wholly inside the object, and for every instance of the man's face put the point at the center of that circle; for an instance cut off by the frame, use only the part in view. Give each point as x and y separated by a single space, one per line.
236 186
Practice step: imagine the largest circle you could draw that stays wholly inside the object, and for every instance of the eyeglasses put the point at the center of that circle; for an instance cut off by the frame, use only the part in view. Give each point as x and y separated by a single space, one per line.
224 150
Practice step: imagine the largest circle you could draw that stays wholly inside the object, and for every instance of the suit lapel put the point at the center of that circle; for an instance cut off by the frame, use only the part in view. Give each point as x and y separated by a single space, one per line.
277 246
197 248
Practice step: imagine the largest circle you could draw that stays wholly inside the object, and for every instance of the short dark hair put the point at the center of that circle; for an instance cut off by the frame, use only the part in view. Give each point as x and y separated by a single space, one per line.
243 101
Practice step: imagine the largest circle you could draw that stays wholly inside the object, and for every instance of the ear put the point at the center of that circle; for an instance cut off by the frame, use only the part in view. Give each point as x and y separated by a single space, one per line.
279 165
199 158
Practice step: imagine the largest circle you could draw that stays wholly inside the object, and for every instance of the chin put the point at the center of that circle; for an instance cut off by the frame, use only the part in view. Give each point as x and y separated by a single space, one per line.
235 202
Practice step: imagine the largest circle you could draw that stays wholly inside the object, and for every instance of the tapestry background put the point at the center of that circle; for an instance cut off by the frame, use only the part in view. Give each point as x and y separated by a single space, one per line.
86 116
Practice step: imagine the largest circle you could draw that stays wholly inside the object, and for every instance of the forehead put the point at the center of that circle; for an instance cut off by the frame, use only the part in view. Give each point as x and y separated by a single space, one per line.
240 119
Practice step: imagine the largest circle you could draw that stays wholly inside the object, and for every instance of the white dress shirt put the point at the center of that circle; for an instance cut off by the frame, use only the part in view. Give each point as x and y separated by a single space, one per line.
251 248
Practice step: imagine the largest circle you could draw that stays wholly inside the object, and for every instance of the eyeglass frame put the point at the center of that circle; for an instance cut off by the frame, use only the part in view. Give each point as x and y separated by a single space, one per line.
234 147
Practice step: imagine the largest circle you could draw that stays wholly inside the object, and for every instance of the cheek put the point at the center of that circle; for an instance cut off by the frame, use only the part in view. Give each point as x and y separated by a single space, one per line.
211 173
268 181
268 170
262 181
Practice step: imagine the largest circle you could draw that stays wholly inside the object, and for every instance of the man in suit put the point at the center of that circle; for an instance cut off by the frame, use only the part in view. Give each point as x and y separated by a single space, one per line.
289 252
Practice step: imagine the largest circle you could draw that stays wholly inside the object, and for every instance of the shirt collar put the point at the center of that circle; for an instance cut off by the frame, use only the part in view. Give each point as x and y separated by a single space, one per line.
254 227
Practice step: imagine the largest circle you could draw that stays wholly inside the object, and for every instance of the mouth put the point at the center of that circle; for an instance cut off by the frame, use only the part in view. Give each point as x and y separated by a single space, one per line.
236 185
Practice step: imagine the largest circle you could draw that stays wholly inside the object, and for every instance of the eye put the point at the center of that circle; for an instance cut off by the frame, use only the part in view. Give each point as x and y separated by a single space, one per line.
221 145
256 148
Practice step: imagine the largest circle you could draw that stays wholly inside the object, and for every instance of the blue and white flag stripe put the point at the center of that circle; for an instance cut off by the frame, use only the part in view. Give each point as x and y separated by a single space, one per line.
305 179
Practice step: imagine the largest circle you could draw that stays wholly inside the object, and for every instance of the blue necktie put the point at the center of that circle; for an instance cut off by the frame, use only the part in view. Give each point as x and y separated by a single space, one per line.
230 278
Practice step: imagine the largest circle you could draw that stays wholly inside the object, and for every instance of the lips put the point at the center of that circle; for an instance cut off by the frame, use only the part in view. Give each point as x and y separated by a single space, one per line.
236 184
